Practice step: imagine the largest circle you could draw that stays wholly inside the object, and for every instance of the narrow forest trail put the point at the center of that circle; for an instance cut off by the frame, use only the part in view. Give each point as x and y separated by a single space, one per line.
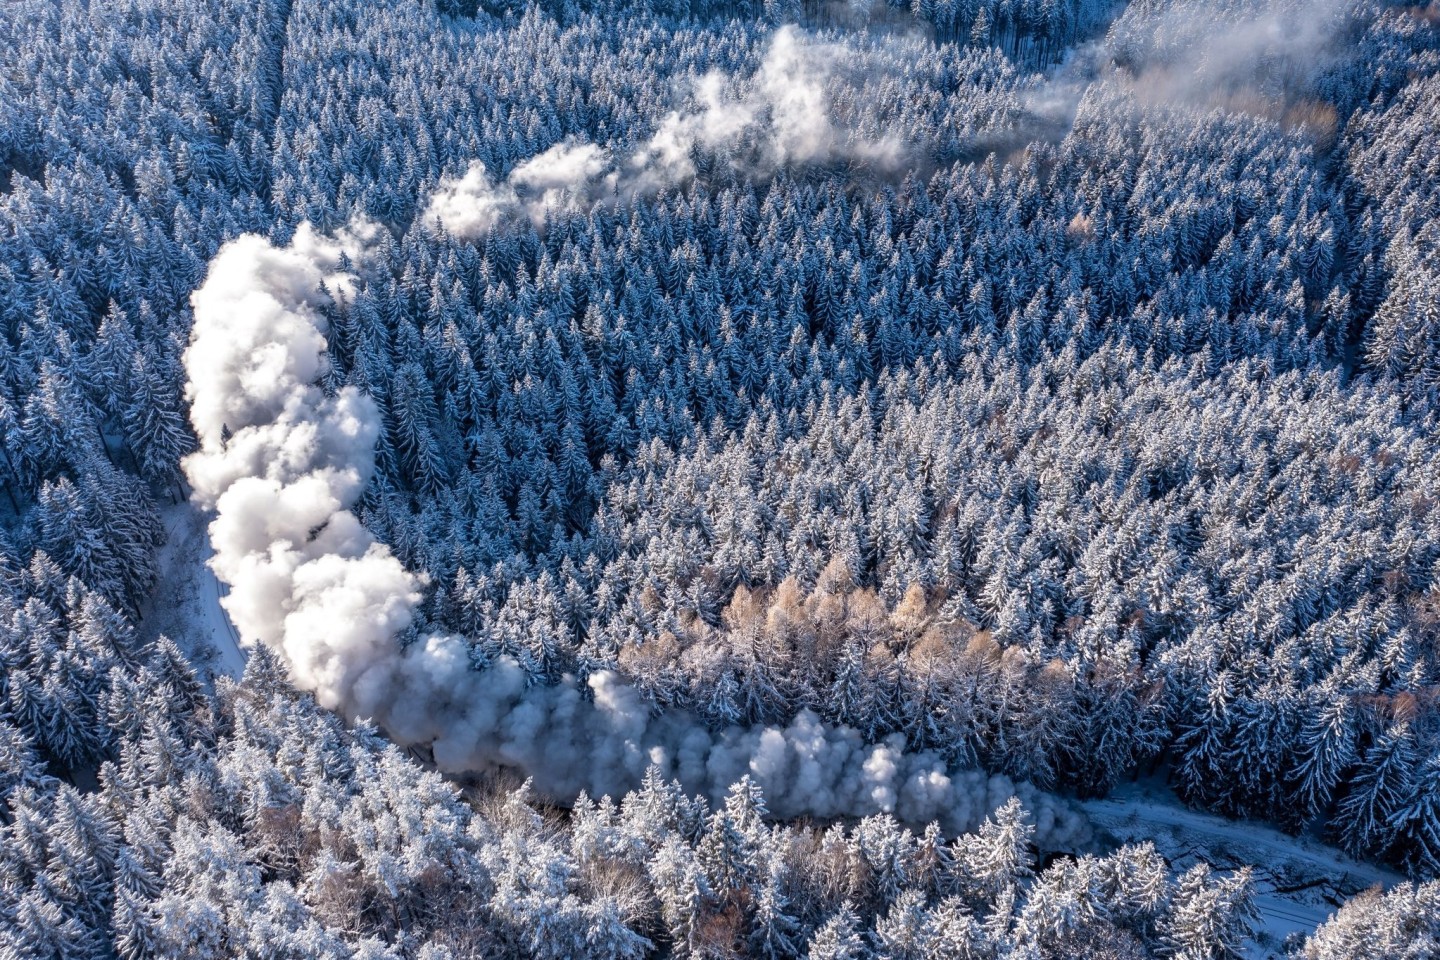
185 605
1299 881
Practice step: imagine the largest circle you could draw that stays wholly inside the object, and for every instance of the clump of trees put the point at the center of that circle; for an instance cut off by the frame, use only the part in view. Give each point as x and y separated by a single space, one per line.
254 821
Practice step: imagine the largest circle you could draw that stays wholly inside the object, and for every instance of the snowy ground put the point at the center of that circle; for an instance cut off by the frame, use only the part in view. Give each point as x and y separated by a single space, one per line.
186 603
1299 881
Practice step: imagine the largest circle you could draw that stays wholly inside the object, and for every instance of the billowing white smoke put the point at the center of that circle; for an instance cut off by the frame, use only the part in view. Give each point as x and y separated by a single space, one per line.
567 176
785 112
282 464
781 117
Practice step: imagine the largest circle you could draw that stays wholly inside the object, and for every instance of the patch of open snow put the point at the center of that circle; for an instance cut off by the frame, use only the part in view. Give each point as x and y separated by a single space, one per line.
185 605
1299 881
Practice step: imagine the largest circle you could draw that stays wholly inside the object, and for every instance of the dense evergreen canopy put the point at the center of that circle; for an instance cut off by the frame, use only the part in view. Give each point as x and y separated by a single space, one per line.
1087 428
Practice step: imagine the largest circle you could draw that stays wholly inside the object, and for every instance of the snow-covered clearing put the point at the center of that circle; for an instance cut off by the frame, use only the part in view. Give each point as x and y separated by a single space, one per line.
1298 880
185 605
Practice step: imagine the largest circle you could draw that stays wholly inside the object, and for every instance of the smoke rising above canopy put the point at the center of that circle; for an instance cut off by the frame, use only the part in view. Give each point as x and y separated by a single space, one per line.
781 116
282 465
1250 56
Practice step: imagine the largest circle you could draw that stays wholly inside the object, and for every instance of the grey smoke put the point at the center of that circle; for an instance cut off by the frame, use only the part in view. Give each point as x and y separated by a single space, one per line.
282 464
1251 56
1192 51
783 111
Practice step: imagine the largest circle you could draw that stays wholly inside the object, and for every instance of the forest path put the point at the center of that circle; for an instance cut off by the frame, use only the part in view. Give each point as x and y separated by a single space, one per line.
1299 881
185 605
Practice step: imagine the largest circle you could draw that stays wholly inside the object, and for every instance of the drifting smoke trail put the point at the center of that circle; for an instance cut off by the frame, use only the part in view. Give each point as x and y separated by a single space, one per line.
783 118
1253 56
282 464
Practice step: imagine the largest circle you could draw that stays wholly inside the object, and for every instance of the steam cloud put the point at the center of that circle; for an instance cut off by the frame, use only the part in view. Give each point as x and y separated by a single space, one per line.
281 464
783 116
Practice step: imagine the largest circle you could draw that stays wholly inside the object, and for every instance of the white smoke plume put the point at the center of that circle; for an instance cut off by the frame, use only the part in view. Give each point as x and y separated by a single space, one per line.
1250 56
568 176
1192 51
781 116
282 464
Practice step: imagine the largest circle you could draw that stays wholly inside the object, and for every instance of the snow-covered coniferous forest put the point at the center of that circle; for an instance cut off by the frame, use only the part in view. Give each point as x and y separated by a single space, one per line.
689 479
